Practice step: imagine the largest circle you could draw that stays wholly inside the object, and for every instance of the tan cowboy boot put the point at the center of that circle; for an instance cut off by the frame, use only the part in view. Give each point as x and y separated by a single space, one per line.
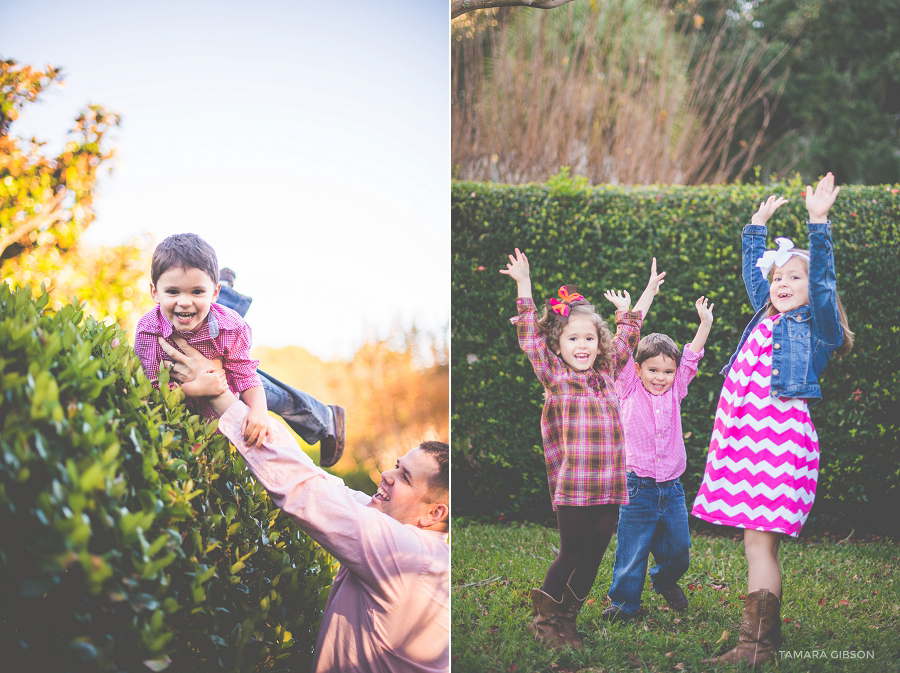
760 631
545 623
571 606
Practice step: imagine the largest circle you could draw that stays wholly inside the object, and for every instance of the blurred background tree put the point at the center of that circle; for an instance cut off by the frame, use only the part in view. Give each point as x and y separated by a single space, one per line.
46 202
679 92
396 391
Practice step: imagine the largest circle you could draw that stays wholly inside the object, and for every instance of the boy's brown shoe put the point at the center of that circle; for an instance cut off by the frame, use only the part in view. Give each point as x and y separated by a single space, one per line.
675 598
332 446
616 614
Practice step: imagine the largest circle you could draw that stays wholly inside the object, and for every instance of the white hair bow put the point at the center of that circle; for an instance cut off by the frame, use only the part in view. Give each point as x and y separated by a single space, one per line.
778 257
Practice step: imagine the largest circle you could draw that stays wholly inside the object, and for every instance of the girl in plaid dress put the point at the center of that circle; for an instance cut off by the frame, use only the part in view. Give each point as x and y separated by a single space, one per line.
577 359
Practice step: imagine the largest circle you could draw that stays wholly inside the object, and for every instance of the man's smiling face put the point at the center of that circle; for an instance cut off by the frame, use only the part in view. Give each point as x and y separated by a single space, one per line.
404 490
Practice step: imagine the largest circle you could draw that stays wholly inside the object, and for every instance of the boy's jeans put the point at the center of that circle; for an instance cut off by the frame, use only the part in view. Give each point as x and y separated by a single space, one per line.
655 521
305 415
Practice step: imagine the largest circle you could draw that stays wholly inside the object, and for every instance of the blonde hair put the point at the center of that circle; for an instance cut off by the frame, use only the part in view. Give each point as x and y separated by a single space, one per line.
847 344
551 327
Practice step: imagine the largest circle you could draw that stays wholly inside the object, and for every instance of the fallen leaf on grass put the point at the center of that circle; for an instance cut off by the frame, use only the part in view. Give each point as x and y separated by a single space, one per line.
723 637
844 602
679 667
590 601
669 655
513 668
822 600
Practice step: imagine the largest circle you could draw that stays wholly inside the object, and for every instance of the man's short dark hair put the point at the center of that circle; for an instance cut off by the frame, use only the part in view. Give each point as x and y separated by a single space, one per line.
184 251
657 344
439 485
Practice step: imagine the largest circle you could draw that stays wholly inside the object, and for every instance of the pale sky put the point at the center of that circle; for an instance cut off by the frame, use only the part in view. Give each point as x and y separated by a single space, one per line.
307 142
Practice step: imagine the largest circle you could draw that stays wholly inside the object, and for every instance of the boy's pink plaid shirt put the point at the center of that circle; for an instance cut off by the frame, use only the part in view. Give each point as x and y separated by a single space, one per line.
653 436
580 424
223 334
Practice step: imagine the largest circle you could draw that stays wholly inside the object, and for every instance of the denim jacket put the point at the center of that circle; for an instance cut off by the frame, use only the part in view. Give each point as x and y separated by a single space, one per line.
806 337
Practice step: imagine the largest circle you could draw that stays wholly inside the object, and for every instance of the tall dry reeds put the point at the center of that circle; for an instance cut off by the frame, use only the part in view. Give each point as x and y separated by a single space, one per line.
614 90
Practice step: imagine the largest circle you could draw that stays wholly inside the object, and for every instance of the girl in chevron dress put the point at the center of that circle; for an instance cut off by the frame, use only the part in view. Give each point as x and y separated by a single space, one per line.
763 459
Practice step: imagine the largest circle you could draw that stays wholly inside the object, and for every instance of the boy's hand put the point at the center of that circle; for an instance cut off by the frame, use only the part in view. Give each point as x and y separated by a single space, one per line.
517 268
255 427
655 279
621 301
705 309
767 208
819 202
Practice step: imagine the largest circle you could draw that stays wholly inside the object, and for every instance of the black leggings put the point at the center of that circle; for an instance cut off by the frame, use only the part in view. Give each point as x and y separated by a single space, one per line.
584 534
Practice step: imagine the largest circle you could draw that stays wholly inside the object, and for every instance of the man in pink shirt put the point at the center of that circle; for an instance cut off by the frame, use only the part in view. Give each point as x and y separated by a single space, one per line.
389 608
650 391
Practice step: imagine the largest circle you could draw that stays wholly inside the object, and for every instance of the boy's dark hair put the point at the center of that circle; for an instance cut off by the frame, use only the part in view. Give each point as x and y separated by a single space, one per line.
184 251
657 344
439 486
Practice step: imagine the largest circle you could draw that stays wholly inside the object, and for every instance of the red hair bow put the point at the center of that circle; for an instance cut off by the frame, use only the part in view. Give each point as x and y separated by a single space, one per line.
567 295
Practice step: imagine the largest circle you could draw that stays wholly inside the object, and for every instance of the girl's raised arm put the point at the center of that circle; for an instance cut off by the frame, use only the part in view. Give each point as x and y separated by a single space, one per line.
753 245
519 271
822 277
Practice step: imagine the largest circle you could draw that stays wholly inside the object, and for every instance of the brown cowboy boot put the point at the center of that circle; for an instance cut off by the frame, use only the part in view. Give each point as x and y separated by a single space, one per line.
571 606
546 623
760 630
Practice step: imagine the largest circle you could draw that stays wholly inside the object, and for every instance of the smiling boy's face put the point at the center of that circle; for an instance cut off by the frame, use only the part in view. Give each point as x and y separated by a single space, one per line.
184 296
657 374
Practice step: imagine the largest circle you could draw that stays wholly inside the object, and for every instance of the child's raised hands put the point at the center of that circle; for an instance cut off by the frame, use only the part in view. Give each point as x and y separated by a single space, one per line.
621 301
819 202
767 208
705 310
517 268
656 279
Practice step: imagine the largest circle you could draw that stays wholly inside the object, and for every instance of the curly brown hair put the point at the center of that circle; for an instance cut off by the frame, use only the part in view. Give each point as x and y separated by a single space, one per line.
551 327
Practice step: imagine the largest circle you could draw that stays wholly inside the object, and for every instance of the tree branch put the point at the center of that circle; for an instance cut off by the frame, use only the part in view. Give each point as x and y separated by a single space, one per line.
51 212
460 7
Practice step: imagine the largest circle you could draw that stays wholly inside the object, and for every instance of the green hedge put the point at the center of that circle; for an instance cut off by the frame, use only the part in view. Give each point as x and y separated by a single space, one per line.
604 237
132 536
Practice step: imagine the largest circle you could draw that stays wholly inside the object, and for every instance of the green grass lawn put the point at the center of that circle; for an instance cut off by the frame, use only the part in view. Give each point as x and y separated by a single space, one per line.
841 600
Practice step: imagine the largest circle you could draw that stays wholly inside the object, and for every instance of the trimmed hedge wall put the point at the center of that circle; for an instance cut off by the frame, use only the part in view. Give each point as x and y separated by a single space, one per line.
132 536
604 237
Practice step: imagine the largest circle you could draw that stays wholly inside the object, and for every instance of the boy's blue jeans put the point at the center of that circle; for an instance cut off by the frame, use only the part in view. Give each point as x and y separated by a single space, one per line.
305 415
655 521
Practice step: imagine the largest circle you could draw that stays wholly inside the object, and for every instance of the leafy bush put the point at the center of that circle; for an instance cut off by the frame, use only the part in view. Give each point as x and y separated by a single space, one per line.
132 536
604 237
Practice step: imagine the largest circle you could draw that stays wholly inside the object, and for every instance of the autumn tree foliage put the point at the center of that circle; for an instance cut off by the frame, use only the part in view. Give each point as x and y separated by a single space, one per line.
396 391
46 202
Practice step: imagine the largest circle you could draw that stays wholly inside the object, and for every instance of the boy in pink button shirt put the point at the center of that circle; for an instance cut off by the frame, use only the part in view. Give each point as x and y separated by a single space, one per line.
650 391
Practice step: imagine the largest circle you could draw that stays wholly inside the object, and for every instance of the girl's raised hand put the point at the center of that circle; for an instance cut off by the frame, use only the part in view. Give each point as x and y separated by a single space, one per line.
517 268
705 310
819 202
767 208
621 301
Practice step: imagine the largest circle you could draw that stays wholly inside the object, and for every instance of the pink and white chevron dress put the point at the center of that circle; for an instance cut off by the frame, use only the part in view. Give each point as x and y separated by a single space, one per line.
763 460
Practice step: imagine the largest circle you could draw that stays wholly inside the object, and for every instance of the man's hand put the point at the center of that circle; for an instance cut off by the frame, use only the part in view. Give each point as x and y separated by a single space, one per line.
621 301
200 376
767 208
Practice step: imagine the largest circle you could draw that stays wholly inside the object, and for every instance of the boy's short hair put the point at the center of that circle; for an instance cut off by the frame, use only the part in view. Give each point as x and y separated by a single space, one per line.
657 344
184 251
